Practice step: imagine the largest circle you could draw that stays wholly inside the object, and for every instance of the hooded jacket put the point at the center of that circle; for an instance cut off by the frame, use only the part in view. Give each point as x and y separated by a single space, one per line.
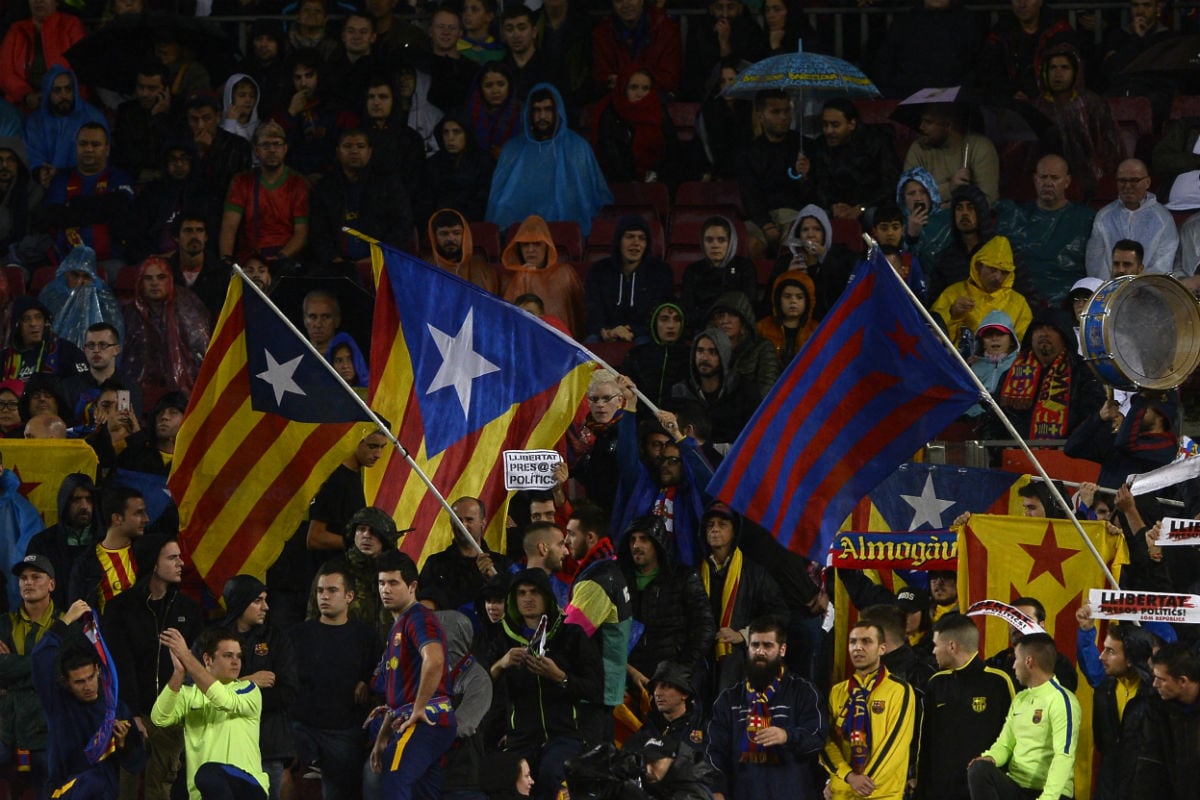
754 358
991 372
734 402
460 181
540 709
671 606
470 266
1084 130
557 178
703 281
132 623
557 283
772 329
1085 395
996 253
656 366
160 202
688 778
63 546
51 138
53 355
614 298
830 272
953 259
376 204
243 129
264 648
938 229
23 196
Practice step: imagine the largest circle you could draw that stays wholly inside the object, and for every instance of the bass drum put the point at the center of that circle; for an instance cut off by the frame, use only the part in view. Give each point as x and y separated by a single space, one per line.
1142 332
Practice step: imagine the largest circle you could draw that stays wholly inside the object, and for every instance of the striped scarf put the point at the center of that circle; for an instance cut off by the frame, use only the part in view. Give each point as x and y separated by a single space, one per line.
758 717
856 727
733 577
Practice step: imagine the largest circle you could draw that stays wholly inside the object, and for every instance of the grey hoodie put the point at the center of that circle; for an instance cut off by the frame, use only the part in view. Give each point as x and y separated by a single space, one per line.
754 359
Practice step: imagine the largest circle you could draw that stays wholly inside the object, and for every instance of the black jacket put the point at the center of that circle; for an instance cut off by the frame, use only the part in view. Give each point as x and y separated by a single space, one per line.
964 712
52 542
457 575
613 298
131 626
1168 766
762 175
540 709
861 172
673 608
747 41
656 366
383 212
1121 738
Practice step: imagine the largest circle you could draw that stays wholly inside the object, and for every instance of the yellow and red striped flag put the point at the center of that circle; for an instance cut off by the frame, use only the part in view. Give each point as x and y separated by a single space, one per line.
464 376
266 425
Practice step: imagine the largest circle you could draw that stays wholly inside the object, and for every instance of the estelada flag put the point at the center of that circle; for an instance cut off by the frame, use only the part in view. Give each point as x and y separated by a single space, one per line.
266 425
871 386
464 376
41 464
1004 557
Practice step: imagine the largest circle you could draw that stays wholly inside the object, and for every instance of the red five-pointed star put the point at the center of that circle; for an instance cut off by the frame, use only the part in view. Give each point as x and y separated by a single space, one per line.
905 342
26 488
1047 557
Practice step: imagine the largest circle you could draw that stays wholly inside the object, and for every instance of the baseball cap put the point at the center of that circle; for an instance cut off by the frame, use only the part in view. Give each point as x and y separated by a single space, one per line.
36 561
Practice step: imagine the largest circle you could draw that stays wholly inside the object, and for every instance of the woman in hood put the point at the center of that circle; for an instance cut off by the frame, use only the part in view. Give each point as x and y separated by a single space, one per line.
531 265
632 133
459 174
241 106
723 124
791 322
808 247
721 270
494 108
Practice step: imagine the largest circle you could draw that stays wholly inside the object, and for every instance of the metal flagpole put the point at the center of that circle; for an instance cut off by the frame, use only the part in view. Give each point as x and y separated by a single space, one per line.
987 398
603 364
461 534
1166 501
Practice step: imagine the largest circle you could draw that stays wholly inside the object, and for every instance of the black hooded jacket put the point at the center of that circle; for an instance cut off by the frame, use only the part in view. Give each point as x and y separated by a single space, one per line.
158 205
132 623
264 648
53 355
52 542
540 709
614 298
462 181
656 366
672 606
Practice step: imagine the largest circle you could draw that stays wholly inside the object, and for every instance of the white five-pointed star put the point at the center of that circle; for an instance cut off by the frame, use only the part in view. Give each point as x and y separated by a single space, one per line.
280 376
460 363
927 506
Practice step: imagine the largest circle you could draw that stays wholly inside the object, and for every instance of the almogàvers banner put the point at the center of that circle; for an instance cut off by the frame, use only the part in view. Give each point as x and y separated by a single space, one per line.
927 550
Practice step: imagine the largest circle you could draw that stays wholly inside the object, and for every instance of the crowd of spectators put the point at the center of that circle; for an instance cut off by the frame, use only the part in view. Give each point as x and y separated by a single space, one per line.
582 163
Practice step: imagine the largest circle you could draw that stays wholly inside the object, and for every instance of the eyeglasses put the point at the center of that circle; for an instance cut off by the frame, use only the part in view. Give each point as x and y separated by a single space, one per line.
101 346
8 405
672 460
596 398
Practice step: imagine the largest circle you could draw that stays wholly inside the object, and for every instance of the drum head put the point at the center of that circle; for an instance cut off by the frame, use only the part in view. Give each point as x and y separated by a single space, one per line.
1152 331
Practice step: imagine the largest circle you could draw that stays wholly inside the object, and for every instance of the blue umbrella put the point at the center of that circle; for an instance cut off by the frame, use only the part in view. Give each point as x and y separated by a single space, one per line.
806 74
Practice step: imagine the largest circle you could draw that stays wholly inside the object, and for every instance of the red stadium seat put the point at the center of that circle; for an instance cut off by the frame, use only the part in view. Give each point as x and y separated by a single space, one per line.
485 238
709 193
41 276
16 280
643 194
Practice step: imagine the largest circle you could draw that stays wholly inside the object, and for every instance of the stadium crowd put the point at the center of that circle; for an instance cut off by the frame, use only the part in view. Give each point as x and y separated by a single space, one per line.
581 162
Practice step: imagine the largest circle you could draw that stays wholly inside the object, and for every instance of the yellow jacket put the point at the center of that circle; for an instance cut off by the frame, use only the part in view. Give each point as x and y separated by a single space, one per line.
996 253
893 707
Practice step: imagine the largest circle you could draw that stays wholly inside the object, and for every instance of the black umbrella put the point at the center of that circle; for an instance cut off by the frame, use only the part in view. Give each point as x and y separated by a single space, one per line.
357 305
111 57
1002 119
1176 54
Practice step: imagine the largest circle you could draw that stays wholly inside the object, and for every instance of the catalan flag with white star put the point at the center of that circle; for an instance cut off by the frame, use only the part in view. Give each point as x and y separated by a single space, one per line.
267 423
465 376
